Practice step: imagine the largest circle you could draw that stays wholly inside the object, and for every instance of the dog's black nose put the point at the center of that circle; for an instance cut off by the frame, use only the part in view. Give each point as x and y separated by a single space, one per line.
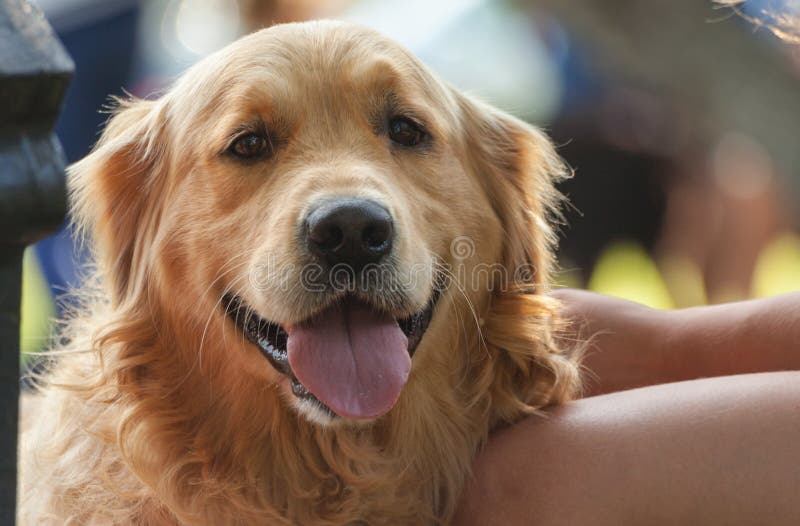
349 231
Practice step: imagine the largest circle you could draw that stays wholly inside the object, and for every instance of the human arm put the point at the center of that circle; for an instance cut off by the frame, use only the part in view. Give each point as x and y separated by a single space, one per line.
630 345
712 451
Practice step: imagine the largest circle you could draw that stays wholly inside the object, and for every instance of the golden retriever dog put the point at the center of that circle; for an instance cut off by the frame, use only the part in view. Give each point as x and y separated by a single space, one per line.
321 282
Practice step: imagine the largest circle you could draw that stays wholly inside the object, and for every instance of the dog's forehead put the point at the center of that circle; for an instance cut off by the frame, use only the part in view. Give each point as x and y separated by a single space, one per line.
324 44
329 54
308 55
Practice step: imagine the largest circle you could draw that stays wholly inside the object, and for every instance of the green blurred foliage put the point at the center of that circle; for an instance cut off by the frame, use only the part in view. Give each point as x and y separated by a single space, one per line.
38 308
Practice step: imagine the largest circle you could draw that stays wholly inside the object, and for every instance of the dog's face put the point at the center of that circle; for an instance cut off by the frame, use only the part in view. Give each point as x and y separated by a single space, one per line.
320 205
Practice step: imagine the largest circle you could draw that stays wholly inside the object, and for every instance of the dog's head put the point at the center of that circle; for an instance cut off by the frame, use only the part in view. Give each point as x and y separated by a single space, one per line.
339 222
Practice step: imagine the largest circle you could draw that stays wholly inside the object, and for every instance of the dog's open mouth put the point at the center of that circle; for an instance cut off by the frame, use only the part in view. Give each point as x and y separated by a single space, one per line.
350 359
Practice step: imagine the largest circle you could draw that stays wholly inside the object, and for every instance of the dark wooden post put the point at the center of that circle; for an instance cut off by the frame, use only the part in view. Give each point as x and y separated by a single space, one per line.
34 73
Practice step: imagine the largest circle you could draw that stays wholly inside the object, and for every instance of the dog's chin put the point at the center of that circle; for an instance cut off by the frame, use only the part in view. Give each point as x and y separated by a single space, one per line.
272 339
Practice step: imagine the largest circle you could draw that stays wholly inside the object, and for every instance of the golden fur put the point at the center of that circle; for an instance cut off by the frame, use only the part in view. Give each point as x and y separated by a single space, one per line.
159 412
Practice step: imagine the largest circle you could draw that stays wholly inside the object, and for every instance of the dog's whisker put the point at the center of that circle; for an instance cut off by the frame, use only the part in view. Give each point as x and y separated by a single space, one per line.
223 271
443 268
217 303
198 362
482 342
227 289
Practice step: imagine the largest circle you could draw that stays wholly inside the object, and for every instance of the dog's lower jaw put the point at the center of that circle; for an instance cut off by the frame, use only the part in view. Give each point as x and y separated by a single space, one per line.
315 413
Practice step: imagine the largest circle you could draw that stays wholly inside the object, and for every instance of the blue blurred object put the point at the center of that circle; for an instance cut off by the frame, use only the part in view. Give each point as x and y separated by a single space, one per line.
100 36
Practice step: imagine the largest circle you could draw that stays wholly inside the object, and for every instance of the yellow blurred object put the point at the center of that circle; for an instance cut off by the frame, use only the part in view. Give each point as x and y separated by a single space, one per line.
37 307
625 270
685 282
778 267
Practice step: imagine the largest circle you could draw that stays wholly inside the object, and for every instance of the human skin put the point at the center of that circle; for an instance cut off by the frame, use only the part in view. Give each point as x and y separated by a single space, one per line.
710 451
633 346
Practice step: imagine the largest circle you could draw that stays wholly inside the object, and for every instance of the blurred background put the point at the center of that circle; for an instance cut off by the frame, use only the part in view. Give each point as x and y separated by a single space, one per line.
681 119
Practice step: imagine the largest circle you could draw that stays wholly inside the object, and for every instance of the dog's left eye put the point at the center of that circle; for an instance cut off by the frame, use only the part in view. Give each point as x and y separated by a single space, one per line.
406 132
250 146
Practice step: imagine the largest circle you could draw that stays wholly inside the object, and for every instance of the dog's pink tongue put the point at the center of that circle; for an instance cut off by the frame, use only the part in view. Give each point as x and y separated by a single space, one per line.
353 359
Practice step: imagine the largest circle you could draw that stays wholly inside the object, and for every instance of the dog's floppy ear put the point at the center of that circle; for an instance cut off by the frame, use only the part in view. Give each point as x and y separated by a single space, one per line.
110 193
518 168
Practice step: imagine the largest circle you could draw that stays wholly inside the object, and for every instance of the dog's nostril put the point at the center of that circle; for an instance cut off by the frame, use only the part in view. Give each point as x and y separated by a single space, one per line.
329 237
349 231
377 236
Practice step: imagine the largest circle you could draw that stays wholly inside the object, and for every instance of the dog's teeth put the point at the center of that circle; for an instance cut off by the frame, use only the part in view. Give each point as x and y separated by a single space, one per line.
299 389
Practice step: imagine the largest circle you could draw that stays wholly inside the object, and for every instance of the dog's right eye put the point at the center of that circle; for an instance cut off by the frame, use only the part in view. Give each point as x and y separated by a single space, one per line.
251 146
